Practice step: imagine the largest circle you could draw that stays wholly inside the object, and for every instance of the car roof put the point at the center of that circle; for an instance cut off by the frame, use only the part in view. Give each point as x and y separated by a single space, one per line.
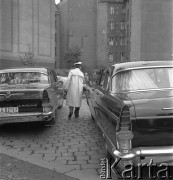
25 69
141 64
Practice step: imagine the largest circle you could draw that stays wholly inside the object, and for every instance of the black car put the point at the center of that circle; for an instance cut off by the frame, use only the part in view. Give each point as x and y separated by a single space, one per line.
132 104
29 95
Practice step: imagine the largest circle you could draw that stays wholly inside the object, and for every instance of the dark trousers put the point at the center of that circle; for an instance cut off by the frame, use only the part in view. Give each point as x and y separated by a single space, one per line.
76 112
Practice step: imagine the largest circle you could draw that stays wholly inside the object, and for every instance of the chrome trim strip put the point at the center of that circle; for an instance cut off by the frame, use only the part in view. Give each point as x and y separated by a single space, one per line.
21 89
141 90
170 108
146 152
25 114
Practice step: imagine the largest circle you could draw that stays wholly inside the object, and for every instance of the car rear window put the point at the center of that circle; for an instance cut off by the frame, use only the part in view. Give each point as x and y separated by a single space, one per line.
23 78
143 79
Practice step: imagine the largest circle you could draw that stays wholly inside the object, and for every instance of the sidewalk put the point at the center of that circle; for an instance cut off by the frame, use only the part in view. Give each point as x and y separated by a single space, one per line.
15 169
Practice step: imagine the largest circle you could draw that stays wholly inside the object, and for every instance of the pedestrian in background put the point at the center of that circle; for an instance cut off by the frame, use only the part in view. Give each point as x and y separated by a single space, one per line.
86 78
74 87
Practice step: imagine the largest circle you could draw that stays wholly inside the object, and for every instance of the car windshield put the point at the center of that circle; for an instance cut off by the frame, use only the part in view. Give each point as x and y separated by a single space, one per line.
14 78
142 79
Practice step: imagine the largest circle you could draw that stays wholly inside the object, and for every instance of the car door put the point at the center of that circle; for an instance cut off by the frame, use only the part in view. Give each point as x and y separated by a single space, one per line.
107 108
91 88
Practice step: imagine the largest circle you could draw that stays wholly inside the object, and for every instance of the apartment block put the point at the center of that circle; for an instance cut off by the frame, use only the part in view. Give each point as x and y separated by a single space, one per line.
111 31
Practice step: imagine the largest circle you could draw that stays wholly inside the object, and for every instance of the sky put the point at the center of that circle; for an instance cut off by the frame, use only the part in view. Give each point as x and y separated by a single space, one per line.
57 1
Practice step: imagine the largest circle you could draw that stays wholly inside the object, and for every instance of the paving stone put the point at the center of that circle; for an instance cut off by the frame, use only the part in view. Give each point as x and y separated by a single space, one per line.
46 151
78 162
73 149
83 158
90 166
92 152
67 154
80 153
71 143
65 158
93 161
63 148
84 149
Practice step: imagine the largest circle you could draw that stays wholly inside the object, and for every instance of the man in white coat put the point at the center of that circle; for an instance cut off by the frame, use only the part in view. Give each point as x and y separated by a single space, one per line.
74 87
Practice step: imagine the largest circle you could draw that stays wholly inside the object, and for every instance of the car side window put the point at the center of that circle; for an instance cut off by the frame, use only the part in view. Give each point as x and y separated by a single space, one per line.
105 80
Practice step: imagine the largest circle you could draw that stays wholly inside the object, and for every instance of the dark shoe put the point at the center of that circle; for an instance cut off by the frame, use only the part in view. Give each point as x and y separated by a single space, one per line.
76 115
76 112
70 115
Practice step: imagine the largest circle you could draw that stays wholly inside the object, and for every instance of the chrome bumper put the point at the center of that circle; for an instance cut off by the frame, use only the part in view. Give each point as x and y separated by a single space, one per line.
145 152
25 117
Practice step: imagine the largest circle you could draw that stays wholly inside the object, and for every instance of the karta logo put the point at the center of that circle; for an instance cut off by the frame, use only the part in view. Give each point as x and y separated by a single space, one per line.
144 171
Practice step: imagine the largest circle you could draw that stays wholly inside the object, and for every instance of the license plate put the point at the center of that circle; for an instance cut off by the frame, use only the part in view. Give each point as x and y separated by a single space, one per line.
9 110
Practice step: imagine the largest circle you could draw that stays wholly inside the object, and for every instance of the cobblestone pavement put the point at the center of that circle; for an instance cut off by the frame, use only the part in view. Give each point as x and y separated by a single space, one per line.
73 147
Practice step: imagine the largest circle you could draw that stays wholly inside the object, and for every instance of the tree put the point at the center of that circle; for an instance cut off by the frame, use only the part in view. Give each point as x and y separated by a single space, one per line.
72 56
28 58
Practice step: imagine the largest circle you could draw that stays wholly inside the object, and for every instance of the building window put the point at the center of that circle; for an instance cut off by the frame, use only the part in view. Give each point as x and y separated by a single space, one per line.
55 51
111 25
111 57
122 56
122 25
116 41
116 56
111 41
122 41
112 10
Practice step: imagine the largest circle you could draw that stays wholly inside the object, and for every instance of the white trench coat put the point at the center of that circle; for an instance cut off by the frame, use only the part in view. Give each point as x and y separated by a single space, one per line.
74 87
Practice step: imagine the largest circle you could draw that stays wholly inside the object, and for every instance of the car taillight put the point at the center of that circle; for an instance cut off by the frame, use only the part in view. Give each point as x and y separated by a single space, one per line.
46 102
124 133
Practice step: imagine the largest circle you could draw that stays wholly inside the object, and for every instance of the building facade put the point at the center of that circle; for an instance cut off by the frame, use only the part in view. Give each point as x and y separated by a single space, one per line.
78 29
111 31
149 31
27 27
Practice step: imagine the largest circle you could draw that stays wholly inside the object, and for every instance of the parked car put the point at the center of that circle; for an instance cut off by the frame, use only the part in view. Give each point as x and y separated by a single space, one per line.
132 104
62 82
29 95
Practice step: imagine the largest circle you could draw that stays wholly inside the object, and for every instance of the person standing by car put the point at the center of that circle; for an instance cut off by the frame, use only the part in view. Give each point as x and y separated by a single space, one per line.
86 78
74 87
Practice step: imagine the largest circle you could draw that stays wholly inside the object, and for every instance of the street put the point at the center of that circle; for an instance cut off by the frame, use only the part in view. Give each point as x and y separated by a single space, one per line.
71 146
